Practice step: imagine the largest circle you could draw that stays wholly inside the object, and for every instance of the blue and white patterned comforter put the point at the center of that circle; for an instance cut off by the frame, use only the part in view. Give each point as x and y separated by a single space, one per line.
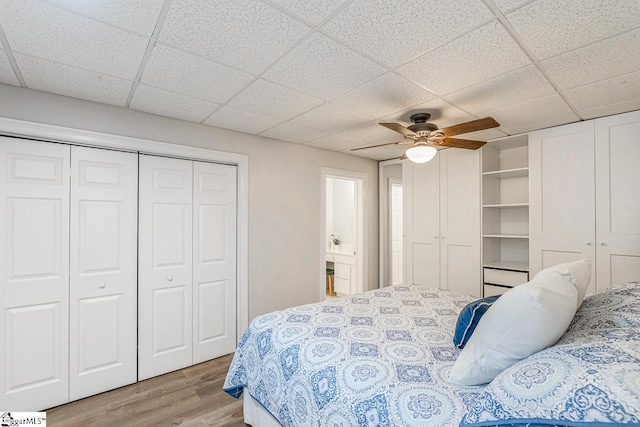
376 358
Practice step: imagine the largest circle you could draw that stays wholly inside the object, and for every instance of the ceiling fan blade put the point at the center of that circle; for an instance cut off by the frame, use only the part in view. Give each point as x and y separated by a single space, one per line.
469 144
397 127
379 145
472 126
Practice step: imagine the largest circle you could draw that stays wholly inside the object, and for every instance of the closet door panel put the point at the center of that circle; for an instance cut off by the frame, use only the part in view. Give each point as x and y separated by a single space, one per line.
102 348
34 271
165 266
421 184
618 207
562 196
460 221
214 260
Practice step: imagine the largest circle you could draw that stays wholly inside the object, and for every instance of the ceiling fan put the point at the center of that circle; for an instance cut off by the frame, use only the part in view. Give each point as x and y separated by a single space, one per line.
423 137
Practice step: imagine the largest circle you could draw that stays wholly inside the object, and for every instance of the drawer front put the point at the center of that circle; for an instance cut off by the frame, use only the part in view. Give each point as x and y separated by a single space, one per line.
344 259
330 257
491 290
504 277
342 286
342 271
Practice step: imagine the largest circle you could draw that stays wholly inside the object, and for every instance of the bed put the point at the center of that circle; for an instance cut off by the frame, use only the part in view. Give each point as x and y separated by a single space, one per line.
383 357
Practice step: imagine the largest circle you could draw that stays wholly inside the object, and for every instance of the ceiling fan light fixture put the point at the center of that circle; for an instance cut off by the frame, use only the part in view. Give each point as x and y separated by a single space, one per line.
420 153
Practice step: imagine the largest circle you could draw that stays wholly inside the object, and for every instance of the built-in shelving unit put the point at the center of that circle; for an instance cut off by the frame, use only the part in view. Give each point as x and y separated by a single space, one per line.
505 213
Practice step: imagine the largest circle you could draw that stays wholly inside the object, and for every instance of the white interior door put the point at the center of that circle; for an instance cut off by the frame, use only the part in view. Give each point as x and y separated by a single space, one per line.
460 221
103 275
165 266
421 184
34 271
617 193
562 196
214 260
395 187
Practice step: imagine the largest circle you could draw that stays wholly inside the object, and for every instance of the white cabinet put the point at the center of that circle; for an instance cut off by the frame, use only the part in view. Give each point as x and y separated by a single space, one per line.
68 286
584 197
187 283
344 273
442 221
505 212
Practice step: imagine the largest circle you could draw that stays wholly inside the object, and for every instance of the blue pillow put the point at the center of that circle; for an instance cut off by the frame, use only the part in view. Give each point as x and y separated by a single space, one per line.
469 318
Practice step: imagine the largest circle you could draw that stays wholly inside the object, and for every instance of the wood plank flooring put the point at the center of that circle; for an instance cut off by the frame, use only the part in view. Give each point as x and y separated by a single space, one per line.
189 397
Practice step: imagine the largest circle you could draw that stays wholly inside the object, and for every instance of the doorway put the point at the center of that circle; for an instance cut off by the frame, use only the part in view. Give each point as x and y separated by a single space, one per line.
391 223
342 233
395 230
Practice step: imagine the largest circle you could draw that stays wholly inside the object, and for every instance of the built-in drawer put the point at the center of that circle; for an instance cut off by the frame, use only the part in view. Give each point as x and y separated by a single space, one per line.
505 277
342 286
491 290
342 271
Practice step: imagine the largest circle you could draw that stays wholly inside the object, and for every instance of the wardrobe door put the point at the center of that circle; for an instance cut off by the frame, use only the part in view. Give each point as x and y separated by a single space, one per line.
165 266
34 274
618 199
103 275
421 183
460 221
562 196
214 260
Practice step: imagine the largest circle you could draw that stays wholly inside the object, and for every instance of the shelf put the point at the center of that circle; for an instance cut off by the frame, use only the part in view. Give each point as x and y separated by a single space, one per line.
508 265
508 236
508 173
507 205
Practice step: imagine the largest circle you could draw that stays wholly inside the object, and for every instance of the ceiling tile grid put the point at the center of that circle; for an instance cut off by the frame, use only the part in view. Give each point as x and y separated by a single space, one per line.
324 73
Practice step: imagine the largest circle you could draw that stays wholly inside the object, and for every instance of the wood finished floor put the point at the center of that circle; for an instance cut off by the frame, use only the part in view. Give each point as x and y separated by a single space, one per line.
189 397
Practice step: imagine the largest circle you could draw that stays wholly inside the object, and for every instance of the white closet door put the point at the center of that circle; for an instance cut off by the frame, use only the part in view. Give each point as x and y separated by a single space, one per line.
460 221
562 196
165 266
214 260
618 196
421 184
103 293
34 271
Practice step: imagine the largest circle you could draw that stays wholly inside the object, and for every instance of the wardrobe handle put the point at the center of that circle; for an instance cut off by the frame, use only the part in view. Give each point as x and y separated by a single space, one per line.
435 237
101 285
589 243
170 278
603 244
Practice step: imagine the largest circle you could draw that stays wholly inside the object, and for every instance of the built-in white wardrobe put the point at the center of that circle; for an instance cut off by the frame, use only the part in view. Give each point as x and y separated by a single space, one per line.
442 221
110 272
585 200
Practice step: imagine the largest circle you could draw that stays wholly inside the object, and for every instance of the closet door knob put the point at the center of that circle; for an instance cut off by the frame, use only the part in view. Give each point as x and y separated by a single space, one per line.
435 237
589 243
603 244
170 278
443 237
101 285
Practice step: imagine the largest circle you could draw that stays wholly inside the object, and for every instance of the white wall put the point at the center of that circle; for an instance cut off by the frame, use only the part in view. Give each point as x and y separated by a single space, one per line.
284 188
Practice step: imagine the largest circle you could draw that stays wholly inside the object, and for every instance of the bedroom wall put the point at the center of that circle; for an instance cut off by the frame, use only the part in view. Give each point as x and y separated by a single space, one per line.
284 188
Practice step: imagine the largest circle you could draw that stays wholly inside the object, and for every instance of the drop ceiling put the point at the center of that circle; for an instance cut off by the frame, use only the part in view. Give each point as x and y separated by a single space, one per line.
323 73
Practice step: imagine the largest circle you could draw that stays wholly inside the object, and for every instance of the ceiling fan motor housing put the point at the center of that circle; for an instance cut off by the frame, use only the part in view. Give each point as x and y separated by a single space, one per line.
420 126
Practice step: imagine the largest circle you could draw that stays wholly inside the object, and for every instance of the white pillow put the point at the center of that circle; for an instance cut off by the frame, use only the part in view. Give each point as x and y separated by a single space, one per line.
581 272
523 321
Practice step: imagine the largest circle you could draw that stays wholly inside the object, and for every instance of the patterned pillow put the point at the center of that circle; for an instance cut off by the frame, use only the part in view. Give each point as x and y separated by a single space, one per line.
592 383
616 307
468 319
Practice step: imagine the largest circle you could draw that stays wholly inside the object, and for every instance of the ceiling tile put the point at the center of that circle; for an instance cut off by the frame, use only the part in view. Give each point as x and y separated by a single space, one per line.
599 61
540 113
273 100
608 110
384 95
313 11
330 118
45 31
293 133
508 5
157 101
53 77
485 135
240 120
508 89
248 34
396 32
550 27
139 16
613 91
369 133
323 68
380 153
442 113
333 143
6 70
480 55
190 75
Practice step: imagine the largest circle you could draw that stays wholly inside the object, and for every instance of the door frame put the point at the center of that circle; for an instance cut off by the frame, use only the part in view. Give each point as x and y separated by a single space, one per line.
383 213
71 136
361 180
